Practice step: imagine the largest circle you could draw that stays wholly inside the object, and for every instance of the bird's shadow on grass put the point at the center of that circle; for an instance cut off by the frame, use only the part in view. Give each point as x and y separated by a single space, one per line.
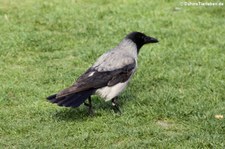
99 106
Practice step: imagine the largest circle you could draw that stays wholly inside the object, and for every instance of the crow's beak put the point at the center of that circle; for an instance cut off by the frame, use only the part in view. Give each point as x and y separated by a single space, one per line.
150 40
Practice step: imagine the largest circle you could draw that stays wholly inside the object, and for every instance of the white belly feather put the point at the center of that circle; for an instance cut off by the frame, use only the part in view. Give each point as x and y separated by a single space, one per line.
109 93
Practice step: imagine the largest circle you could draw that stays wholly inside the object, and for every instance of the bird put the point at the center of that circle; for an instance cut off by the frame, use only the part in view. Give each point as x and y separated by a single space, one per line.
107 77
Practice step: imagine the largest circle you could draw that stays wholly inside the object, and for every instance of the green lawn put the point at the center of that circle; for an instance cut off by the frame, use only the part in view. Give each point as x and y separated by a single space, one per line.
171 101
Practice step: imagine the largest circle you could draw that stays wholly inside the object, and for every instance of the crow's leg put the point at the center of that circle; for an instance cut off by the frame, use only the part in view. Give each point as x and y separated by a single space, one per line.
90 107
115 105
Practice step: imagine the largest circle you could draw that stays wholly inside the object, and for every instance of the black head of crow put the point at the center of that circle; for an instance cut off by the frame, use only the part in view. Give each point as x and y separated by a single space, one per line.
140 39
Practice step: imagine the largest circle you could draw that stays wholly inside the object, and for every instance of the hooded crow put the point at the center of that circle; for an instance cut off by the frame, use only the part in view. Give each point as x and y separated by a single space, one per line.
107 77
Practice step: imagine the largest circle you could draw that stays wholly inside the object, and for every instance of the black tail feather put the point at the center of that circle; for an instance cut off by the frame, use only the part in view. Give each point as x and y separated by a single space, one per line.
74 100
51 97
79 99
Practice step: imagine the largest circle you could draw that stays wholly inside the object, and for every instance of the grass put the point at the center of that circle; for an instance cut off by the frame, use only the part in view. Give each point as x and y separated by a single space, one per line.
170 103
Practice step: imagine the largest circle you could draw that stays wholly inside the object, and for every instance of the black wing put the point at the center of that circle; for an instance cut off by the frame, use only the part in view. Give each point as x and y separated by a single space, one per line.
93 79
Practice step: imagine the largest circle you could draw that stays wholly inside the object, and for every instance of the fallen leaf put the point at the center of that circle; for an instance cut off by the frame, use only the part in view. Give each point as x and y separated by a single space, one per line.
219 116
